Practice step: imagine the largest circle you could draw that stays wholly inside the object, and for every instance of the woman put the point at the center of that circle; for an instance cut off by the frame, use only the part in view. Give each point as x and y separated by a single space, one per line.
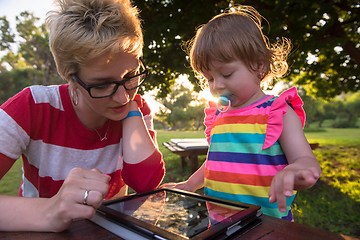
88 139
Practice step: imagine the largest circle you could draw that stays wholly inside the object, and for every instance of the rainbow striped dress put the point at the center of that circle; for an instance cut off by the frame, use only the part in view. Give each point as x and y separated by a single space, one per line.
244 153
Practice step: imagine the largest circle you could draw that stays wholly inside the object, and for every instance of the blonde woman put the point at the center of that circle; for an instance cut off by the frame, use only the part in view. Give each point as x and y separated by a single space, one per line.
90 138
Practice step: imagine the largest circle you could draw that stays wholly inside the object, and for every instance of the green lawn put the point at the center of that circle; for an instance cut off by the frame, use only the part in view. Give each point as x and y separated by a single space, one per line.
333 203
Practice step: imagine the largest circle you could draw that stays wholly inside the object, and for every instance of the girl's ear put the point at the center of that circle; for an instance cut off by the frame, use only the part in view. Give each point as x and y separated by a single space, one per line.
261 69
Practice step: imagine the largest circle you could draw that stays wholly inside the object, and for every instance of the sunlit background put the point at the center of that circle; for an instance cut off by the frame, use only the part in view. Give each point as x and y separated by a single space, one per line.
39 8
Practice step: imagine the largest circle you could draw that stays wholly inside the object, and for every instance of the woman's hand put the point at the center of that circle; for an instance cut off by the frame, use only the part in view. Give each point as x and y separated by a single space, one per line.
71 201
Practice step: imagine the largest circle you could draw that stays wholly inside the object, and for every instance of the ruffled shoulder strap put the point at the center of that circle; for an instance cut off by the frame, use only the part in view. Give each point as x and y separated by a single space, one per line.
278 108
210 113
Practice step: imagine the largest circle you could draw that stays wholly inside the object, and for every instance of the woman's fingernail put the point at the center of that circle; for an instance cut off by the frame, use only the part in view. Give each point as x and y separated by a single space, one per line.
106 175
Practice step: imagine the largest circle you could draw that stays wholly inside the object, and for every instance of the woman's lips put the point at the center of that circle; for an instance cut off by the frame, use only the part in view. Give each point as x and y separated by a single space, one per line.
119 109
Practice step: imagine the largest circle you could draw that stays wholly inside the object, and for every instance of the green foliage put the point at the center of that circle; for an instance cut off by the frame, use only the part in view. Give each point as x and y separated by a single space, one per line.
6 36
14 81
332 203
10 183
167 26
343 109
182 109
325 29
33 51
336 195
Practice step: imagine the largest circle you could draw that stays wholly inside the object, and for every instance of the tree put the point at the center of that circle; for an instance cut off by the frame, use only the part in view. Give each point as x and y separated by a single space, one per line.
317 110
167 26
183 109
33 49
325 36
6 36
347 110
14 81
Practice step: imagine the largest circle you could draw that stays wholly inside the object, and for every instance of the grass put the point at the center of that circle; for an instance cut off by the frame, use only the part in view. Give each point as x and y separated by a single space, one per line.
332 204
10 183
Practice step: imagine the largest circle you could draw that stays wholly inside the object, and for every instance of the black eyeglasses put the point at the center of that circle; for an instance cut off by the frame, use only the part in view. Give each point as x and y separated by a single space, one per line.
103 90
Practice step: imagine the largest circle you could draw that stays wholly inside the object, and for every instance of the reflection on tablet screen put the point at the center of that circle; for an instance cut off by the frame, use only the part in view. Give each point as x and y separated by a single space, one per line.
177 213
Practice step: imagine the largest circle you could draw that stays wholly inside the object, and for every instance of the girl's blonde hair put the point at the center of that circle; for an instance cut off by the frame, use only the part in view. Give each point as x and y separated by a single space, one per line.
80 30
237 35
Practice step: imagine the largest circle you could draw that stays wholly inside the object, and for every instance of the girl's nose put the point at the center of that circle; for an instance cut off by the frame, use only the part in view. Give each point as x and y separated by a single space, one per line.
121 95
218 84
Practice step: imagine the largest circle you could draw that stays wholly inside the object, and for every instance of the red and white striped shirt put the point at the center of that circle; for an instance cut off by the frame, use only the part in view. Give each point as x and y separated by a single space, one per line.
40 124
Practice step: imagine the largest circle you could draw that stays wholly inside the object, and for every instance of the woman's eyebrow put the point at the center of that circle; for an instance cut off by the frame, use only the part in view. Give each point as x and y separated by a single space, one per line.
112 79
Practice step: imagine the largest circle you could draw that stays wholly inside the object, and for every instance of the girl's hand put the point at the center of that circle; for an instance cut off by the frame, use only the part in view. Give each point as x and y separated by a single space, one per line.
286 181
69 202
181 185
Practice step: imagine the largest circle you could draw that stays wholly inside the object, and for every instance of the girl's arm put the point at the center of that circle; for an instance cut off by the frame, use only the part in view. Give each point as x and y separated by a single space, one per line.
194 182
303 170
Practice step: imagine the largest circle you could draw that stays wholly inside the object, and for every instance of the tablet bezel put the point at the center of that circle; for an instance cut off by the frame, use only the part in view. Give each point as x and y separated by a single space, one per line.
148 230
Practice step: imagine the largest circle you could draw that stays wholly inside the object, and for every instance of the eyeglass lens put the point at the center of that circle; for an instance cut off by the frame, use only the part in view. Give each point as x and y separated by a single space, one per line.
110 88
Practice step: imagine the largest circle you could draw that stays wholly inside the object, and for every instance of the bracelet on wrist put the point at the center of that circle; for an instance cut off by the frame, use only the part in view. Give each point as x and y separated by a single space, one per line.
132 114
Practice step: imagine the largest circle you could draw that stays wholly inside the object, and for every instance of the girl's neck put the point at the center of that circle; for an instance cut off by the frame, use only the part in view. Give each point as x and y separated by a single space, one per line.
256 97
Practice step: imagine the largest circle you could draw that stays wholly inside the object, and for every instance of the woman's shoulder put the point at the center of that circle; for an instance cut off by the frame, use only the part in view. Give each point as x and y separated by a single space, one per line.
49 94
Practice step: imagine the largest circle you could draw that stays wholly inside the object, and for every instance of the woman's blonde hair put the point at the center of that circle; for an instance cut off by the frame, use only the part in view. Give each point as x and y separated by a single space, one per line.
237 35
80 30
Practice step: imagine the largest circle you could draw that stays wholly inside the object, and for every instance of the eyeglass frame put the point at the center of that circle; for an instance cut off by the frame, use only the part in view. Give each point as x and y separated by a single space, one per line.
118 83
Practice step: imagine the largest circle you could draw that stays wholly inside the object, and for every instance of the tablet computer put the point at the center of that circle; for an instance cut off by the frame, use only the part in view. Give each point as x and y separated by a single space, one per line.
176 214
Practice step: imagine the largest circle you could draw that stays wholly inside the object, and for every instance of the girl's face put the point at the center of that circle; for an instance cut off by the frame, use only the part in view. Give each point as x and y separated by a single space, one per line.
96 111
235 78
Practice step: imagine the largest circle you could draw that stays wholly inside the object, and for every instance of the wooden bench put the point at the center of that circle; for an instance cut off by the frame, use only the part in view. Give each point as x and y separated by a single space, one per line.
191 148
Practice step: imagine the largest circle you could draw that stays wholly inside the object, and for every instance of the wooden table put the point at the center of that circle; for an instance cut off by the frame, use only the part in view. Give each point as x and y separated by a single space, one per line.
188 148
270 229
193 147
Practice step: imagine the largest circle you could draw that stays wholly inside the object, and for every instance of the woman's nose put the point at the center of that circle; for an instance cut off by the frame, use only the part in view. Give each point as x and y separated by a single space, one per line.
121 95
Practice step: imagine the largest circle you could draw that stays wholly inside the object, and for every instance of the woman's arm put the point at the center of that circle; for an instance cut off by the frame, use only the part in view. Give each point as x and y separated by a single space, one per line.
303 170
137 142
55 214
143 168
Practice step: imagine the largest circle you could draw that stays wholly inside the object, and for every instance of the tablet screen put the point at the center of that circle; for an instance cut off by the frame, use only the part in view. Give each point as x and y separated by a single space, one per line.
177 213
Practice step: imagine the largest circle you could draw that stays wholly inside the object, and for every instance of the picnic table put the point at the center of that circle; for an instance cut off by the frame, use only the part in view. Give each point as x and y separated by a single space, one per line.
191 148
188 148
270 229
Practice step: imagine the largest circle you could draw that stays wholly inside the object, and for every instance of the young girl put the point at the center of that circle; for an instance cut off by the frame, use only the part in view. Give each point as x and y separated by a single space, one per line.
258 153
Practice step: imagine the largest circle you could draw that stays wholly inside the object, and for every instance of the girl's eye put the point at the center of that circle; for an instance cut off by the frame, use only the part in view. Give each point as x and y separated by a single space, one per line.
227 75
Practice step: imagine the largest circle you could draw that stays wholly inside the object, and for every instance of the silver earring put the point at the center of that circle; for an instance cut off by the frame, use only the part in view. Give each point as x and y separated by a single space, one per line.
74 97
